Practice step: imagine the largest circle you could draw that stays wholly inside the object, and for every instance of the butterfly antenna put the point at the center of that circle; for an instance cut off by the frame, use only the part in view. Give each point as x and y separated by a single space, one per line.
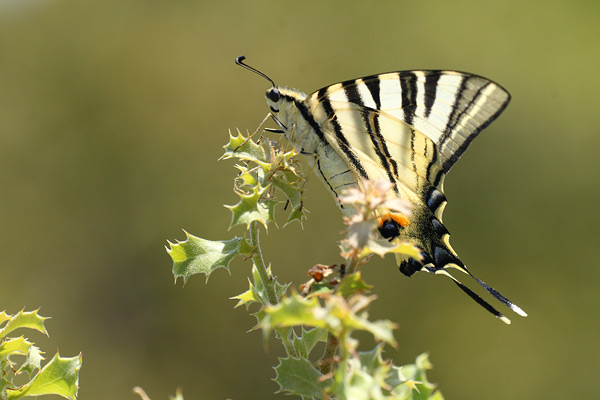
240 61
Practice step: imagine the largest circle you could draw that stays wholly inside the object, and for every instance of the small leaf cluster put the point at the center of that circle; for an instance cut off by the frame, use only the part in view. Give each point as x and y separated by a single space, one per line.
324 315
21 360
265 170
349 374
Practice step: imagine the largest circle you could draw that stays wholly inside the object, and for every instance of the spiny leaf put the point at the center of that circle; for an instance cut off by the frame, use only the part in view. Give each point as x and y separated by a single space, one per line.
10 346
291 311
259 291
244 148
297 214
299 346
33 362
60 376
196 255
410 381
351 284
373 358
245 298
23 319
289 188
251 208
312 337
248 177
298 376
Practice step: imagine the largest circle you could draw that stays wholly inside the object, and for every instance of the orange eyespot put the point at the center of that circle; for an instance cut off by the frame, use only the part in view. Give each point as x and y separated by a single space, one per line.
399 218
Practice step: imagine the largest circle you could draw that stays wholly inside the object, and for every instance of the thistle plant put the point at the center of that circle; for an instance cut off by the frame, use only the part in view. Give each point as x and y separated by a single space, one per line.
332 305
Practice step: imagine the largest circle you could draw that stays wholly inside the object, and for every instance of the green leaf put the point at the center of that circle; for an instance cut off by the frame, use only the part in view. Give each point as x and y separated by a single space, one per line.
299 346
244 148
259 291
33 362
18 345
60 376
248 177
372 359
289 188
381 330
4 317
251 208
23 319
291 311
351 284
298 376
410 381
200 256
245 298
312 337
297 214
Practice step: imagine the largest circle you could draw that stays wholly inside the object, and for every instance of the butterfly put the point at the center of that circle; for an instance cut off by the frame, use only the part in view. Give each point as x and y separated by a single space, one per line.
407 127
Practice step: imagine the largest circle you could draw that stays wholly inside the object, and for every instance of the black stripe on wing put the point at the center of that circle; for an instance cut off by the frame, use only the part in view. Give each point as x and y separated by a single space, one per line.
370 119
339 135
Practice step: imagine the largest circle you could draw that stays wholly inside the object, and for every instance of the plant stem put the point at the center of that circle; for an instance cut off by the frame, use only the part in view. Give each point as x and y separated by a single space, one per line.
268 284
257 257
326 361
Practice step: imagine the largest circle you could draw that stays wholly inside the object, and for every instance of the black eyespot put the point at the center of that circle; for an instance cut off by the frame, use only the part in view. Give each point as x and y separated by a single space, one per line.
274 95
389 229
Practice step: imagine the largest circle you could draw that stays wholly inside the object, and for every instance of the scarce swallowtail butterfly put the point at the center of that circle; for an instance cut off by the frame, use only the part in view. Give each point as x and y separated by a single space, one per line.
407 127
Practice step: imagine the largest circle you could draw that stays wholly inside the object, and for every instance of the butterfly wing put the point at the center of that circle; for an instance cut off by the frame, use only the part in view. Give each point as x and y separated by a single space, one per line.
410 128
449 107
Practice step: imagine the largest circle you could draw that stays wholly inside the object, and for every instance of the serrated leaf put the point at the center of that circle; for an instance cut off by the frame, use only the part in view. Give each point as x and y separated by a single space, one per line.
244 148
60 376
351 284
291 191
297 214
410 381
245 298
299 346
259 292
312 337
23 319
372 359
381 330
200 256
33 362
248 177
251 208
298 376
10 346
4 317
291 311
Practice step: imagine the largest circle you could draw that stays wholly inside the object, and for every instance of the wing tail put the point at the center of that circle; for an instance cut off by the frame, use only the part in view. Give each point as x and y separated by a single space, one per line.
476 297
499 296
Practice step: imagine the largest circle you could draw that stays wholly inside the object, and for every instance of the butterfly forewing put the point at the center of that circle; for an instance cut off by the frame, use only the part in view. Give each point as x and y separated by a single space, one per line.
450 107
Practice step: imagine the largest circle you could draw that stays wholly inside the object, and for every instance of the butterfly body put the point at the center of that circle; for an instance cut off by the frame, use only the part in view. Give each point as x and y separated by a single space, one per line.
407 127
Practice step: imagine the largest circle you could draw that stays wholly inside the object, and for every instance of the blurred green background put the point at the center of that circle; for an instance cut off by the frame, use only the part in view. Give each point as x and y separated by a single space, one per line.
112 117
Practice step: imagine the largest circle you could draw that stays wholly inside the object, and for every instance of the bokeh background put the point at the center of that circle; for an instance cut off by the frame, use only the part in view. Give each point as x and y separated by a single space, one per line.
112 117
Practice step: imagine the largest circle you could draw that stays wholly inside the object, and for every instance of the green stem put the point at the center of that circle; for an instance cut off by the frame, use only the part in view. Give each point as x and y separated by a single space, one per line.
259 262
269 285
